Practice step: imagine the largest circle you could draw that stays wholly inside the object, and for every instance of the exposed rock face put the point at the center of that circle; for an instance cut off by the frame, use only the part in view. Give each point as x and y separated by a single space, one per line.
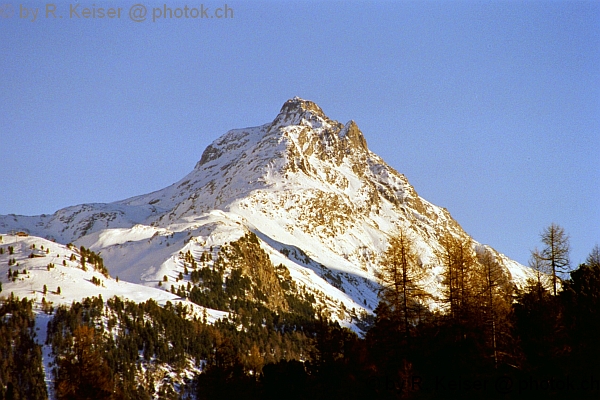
297 111
246 254
316 134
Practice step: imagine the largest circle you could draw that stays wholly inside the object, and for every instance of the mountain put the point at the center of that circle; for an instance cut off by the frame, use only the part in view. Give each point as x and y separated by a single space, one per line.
300 198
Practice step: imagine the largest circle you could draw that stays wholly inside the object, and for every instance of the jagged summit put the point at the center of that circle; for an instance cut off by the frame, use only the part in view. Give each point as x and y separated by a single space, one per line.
297 104
296 110
312 132
301 112
301 130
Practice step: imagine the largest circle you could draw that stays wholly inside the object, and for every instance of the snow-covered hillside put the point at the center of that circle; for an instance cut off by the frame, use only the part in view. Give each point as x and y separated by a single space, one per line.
52 273
319 201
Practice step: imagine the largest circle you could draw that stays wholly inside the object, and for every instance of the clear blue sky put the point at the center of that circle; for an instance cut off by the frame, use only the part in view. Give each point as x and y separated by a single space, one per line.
491 109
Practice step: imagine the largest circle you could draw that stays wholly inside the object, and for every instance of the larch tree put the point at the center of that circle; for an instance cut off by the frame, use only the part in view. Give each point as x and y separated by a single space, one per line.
400 277
541 270
83 373
495 298
593 259
459 275
556 252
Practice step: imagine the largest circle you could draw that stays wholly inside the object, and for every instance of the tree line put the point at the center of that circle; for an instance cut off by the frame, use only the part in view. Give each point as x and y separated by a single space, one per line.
539 341
486 330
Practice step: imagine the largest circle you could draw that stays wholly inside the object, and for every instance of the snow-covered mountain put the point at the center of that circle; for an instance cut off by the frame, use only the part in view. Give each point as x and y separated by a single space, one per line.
318 200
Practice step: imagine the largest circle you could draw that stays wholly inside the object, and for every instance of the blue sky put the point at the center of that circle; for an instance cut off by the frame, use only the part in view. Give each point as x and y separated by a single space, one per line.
491 109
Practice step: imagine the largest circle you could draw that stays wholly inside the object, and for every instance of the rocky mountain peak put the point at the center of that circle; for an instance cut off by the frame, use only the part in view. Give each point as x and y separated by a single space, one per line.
298 111
298 105
304 129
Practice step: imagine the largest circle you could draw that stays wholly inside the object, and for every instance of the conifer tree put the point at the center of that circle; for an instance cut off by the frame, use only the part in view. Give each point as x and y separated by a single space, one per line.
556 252
495 300
541 270
459 276
83 373
400 276
593 259
581 300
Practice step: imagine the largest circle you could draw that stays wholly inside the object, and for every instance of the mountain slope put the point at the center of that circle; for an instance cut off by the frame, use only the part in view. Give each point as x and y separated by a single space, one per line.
319 201
39 263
